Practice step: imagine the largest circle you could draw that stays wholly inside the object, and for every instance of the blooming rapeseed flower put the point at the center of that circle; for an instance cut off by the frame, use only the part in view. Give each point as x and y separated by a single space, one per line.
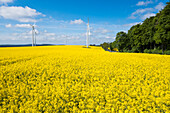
77 79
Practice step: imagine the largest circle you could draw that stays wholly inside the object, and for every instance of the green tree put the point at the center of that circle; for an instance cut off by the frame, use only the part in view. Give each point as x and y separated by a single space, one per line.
105 45
113 45
153 33
163 28
121 40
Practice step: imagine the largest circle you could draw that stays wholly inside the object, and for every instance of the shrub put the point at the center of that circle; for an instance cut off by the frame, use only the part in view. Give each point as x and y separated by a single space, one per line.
167 52
124 50
134 50
147 51
156 51
129 51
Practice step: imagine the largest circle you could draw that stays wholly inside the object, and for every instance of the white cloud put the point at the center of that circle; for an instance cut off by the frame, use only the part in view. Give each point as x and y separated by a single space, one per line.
105 31
142 3
24 36
160 6
147 15
41 36
102 30
70 34
147 12
132 17
131 24
28 33
108 37
8 25
49 34
45 31
5 1
79 21
140 12
23 25
21 14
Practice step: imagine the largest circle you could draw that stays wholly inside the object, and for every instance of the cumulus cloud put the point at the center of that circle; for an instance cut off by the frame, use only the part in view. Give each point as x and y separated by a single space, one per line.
70 34
23 25
109 37
45 31
79 21
40 37
102 30
131 24
45 35
146 12
160 6
147 15
5 1
144 3
140 12
49 34
24 36
8 25
21 14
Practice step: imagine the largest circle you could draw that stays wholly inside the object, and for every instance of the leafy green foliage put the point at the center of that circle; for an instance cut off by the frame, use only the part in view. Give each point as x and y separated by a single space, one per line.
105 45
152 36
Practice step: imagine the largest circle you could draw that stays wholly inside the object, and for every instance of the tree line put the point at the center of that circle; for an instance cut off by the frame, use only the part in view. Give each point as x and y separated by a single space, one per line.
151 36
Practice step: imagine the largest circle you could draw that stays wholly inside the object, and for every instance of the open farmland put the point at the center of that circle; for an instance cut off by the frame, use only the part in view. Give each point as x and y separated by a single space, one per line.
77 79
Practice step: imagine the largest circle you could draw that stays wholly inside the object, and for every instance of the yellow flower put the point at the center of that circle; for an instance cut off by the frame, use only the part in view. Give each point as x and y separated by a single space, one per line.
77 79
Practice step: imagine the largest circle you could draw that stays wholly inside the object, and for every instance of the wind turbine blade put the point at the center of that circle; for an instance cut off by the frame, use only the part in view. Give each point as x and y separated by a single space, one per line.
34 24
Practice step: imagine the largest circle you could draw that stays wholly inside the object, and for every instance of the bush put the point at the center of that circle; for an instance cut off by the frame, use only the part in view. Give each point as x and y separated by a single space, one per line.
156 51
124 50
167 52
134 50
147 51
130 51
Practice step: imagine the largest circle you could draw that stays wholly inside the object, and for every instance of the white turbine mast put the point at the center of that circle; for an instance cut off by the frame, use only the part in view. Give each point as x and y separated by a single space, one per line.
33 35
35 40
88 34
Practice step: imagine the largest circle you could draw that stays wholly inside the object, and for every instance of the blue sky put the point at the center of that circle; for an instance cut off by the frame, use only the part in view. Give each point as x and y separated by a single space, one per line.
64 21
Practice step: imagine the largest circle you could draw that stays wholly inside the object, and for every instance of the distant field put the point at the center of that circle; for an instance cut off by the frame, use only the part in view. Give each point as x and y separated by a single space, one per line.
77 79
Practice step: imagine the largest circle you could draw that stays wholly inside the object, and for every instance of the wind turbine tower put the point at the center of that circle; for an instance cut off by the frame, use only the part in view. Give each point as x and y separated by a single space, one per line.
35 38
33 35
88 34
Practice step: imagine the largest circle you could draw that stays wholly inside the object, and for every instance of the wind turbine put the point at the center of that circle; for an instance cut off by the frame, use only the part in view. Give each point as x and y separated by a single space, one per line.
66 40
33 34
88 34
35 38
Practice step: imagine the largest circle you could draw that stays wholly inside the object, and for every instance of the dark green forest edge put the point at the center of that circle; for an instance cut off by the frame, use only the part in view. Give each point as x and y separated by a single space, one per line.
151 36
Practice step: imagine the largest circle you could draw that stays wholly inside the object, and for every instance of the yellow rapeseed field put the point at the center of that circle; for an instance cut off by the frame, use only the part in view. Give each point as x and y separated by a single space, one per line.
76 79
